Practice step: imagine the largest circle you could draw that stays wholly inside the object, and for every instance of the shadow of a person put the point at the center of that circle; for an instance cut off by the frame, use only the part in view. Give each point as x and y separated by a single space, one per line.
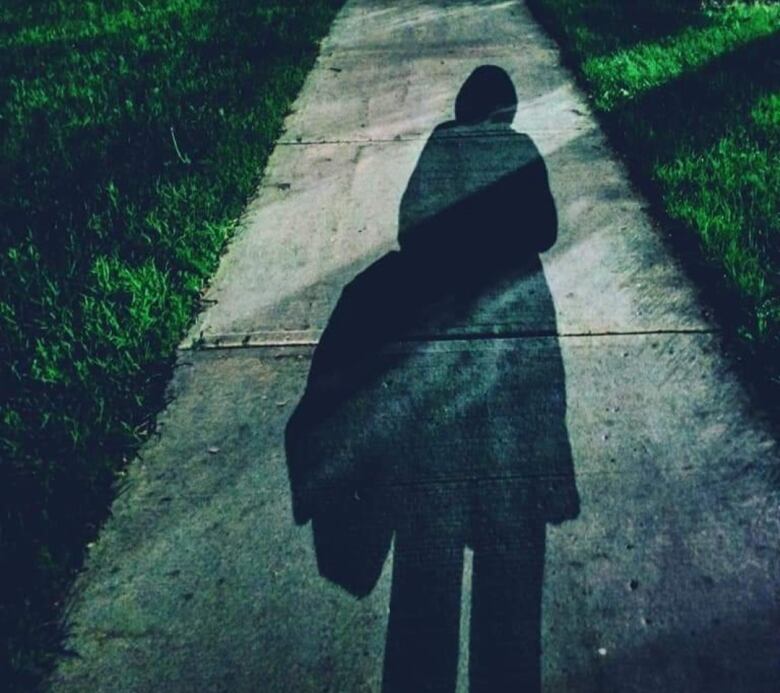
423 421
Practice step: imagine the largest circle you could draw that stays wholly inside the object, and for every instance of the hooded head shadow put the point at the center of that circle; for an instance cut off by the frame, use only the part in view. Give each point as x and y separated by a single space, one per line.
429 417
487 95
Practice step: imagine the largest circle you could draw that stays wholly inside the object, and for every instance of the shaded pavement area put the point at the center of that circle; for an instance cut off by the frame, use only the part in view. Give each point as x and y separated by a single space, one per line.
455 419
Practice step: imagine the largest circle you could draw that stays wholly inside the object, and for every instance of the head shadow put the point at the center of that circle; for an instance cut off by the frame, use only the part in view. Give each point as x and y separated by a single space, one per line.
429 418
487 95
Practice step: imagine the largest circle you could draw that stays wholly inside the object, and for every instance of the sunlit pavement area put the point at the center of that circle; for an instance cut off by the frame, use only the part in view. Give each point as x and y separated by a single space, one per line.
668 578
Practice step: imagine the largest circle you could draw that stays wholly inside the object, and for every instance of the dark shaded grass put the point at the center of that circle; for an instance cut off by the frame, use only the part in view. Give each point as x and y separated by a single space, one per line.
131 136
696 114
601 27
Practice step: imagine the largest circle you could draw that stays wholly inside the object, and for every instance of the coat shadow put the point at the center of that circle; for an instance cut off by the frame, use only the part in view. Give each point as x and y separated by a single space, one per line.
414 427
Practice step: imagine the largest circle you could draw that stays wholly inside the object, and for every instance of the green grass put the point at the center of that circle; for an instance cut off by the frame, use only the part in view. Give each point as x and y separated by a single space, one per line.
131 135
690 93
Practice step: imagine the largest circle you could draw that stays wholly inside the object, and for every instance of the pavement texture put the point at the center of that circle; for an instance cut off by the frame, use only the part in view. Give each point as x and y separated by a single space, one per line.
666 580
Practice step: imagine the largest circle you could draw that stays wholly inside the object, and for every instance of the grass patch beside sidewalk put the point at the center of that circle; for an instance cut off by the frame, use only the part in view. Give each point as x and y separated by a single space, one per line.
690 93
131 136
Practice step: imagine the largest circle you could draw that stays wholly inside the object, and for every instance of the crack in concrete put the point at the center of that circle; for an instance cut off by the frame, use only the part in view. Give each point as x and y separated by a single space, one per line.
390 140
363 141
238 341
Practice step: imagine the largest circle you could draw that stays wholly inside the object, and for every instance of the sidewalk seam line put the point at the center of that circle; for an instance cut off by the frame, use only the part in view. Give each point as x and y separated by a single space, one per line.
398 139
214 345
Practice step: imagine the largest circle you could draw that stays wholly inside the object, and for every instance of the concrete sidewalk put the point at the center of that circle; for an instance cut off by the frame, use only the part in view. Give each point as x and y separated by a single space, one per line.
667 581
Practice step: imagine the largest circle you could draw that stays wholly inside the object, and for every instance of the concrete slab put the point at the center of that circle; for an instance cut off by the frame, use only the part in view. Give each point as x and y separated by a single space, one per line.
667 580
329 205
608 272
201 581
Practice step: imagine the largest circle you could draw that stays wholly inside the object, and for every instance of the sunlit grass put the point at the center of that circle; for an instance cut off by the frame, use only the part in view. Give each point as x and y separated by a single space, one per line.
729 193
623 75
131 135
78 22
